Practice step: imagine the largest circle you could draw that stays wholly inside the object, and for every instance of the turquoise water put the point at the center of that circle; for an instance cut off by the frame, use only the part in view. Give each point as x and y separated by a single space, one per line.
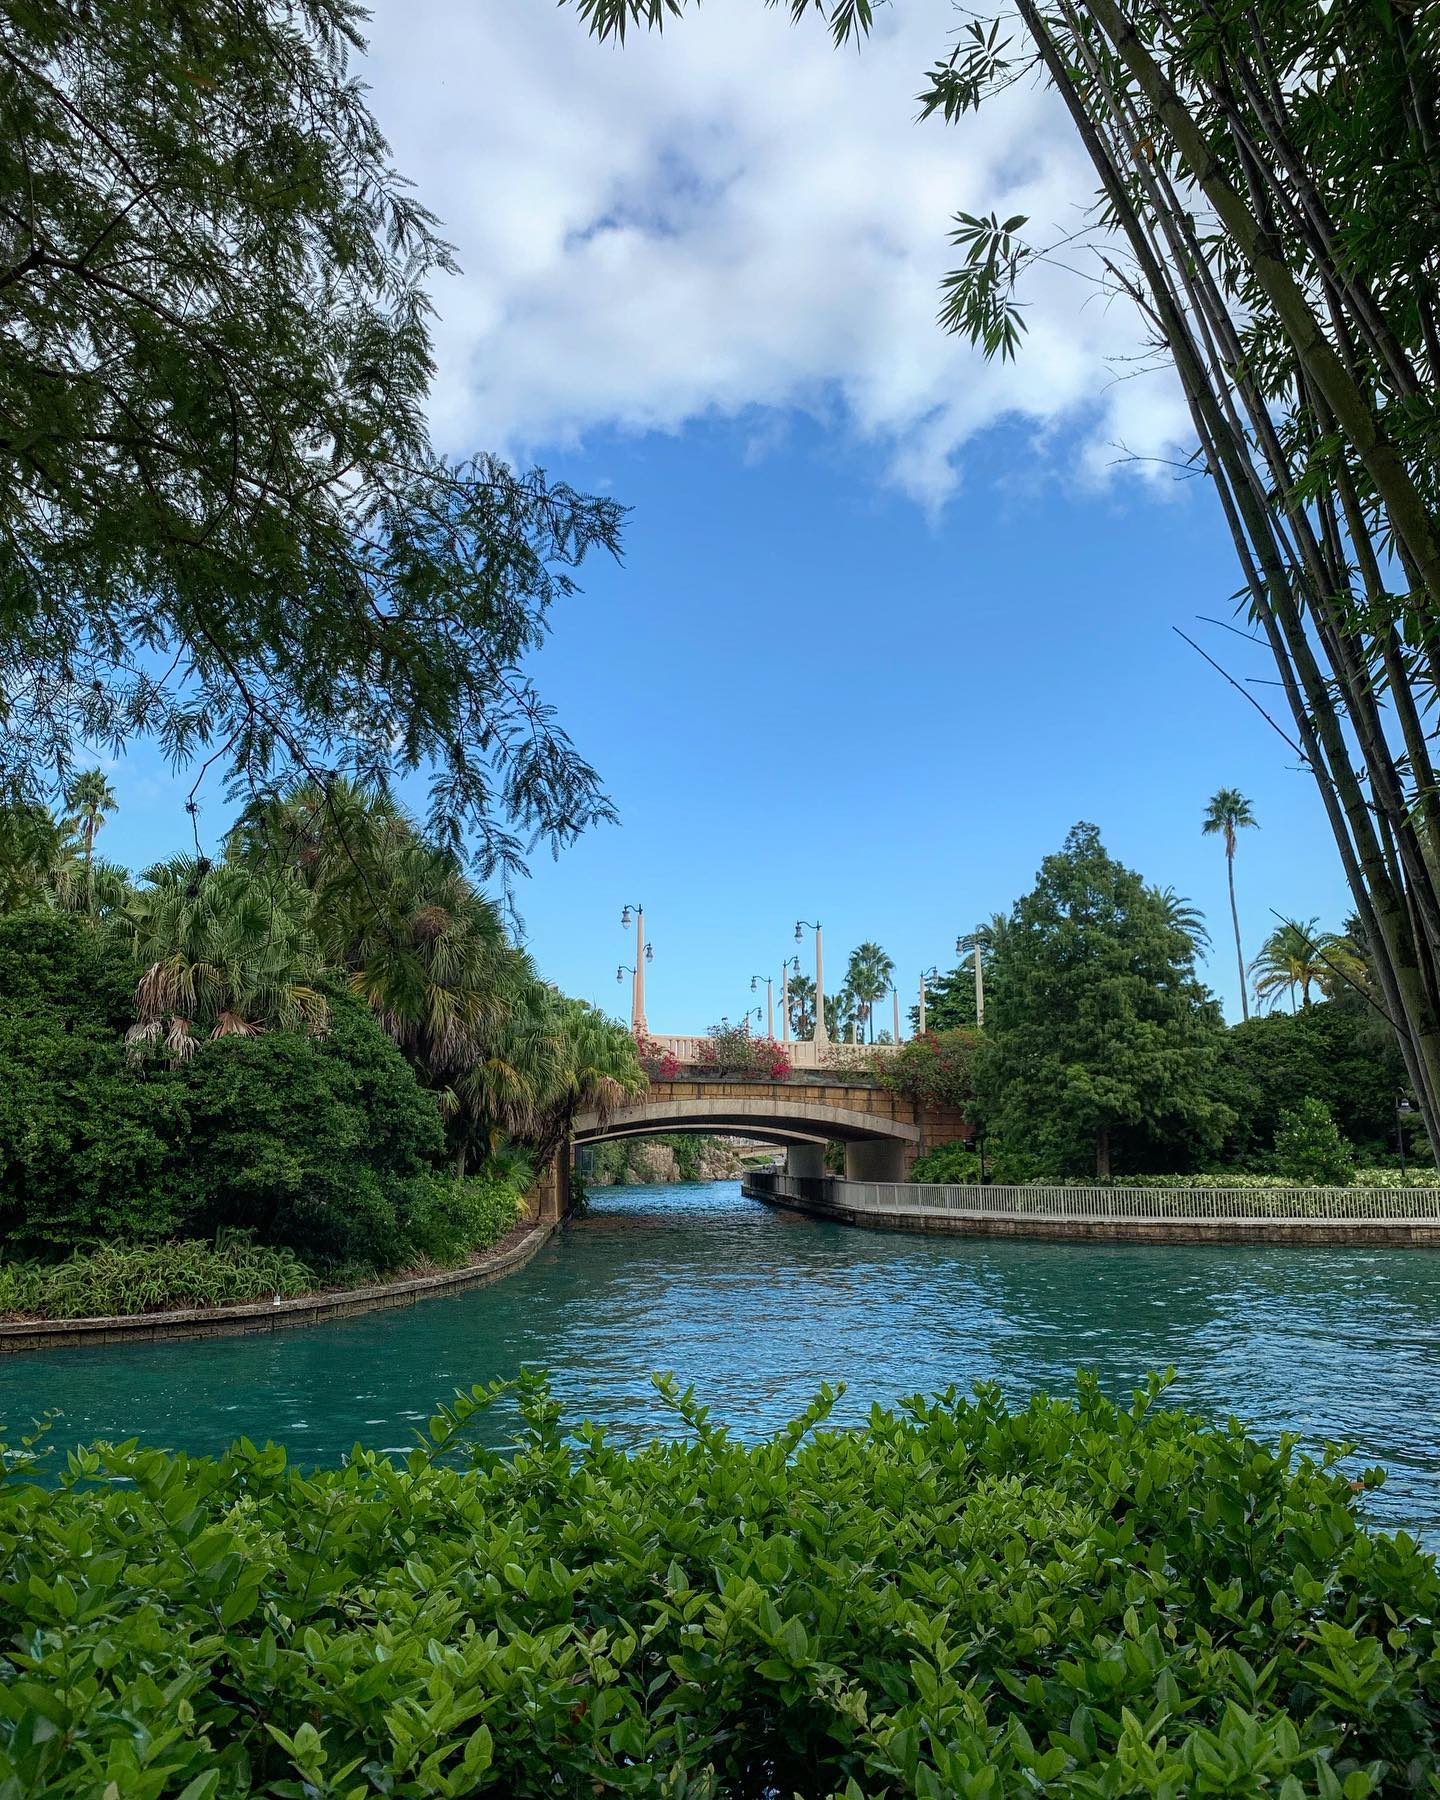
757 1308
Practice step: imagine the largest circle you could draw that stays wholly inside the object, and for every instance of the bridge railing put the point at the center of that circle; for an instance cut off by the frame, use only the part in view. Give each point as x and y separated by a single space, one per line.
800 1053
1420 1205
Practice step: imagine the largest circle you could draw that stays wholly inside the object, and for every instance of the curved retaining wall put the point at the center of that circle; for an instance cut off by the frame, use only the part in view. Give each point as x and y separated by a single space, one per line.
1393 1216
310 1309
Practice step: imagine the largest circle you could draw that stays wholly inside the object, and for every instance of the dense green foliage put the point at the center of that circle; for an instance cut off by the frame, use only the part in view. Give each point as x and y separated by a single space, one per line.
222 522
1337 1051
1102 1043
293 1042
954 1162
1075 1597
118 1279
323 1142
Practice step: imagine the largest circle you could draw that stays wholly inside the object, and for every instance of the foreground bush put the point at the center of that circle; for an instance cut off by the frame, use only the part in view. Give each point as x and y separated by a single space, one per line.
118 1279
1073 1599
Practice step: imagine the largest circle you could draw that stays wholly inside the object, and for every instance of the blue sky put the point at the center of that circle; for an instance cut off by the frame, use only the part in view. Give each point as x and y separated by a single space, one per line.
889 620
808 697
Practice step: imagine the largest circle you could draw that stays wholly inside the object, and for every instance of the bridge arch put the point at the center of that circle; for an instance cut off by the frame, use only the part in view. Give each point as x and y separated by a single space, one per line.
878 1146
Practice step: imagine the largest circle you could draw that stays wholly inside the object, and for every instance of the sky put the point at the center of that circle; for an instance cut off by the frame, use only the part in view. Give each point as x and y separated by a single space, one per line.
890 618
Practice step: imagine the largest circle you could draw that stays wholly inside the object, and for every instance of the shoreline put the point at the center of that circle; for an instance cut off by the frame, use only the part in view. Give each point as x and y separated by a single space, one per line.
254 1316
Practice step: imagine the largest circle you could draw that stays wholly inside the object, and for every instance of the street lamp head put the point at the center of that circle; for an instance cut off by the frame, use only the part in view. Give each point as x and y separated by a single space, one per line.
625 916
797 931
753 980
649 953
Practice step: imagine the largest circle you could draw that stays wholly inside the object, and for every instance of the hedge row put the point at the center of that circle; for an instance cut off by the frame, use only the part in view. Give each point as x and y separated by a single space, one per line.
1075 1599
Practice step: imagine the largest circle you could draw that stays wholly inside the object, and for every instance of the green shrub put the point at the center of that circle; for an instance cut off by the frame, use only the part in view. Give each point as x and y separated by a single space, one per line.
454 1218
1073 1598
951 1162
326 1144
1309 1148
118 1279
86 1150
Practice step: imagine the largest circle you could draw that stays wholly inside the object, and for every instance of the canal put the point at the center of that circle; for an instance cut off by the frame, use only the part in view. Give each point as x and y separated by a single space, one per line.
757 1308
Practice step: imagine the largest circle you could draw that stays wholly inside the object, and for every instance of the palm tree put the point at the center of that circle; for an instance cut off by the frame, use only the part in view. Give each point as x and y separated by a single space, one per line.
802 1006
503 1052
1184 916
1229 812
90 799
868 979
842 1011
227 953
1294 955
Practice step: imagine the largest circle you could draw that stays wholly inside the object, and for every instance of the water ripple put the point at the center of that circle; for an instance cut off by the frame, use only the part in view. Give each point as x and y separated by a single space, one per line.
758 1308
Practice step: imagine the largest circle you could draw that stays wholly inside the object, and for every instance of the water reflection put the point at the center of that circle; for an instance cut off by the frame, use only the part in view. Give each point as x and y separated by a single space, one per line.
757 1308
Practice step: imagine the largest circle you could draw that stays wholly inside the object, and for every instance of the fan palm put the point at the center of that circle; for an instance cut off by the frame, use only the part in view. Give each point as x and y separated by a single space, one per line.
1229 812
1294 955
226 953
90 799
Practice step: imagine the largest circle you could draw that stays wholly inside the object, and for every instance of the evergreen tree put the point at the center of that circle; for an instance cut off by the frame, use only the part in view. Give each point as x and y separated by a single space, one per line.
1102 1043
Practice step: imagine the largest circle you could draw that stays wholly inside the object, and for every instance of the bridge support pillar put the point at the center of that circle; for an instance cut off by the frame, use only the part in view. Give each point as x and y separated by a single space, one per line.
875 1159
804 1160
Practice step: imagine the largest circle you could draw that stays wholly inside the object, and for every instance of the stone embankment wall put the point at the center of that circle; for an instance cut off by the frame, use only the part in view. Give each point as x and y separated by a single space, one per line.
649 1162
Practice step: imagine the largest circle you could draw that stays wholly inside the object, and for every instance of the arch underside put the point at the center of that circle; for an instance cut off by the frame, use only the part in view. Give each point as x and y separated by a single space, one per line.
790 1122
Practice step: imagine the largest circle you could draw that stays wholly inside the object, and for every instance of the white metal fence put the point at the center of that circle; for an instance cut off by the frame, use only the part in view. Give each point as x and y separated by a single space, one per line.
1254 1205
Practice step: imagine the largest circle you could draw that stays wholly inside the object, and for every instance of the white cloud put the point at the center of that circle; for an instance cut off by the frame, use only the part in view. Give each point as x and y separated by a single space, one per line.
731 216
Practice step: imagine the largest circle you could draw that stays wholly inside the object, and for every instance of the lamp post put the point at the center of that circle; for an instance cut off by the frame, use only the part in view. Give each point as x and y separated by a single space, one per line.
979 978
895 1002
755 981
932 970
820 1035
791 962
644 953
1402 1108
745 1018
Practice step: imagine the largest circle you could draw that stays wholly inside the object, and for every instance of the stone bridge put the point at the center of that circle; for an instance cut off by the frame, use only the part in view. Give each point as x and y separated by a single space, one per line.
882 1132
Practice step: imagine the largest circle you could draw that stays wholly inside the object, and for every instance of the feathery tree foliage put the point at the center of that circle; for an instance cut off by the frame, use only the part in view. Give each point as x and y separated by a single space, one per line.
222 522
1098 1031
1269 204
